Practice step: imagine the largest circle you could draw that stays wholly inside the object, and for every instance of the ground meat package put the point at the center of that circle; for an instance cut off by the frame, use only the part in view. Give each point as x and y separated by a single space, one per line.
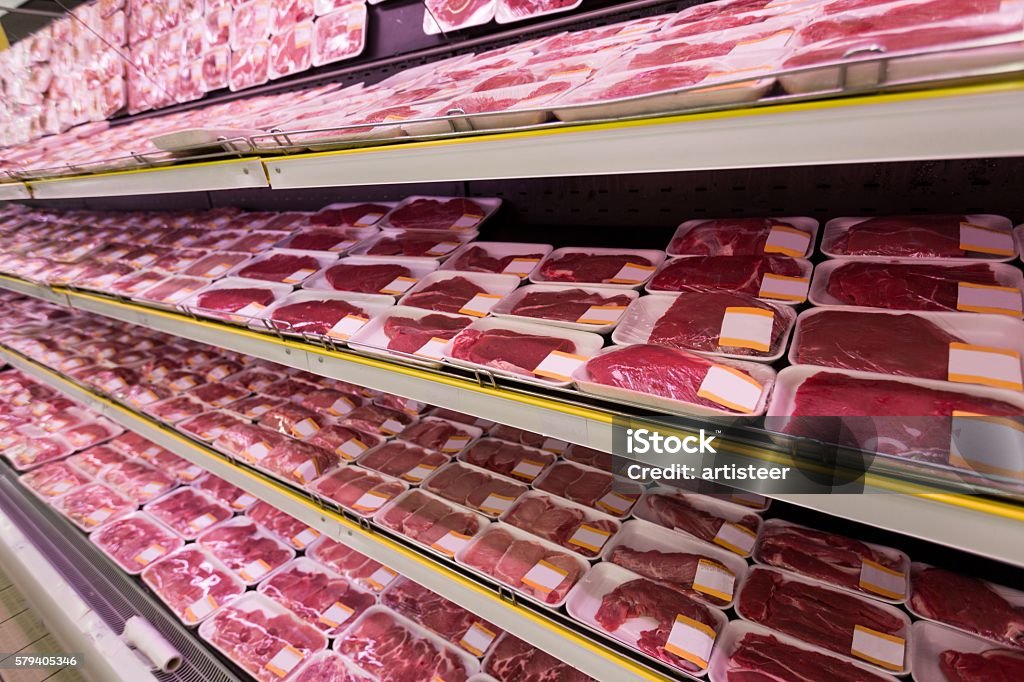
861 629
652 618
431 521
401 331
500 258
337 315
626 268
928 237
238 300
192 583
440 213
794 237
591 309
939 653
370 276
727 525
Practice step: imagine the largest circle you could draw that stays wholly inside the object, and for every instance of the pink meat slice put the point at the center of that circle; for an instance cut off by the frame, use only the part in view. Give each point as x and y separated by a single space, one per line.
434 214
240 545
726 237
279 267
694 322
314 316
476 259
675 569
514 660
567 306
309 593
905 286
409 244
431 434
741 274
285 526
366 279
502 457
674 511
319 240
508 350
592 268
136 541
764 657
408 335
447 295
967 603
498 553
188 512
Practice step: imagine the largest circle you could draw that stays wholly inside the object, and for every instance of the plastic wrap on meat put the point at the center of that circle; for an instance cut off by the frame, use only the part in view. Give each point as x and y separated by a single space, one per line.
249 551
174 410
233 300
694 322
250 23
583 486
290 389
588 457
741 274
220 394
365 279
357 215
444 617
679 513
499 554
249 66
192 583
137 481
345 442
329 666
94 504
281 267
378 420
675 569
567 306
293 420
524 9
508 459
136 541
447 295
248 441
451 16
314 316
403 460
508 350
355 566
318 596
188 512
408 335
286 527
299 462
967 603
53 479
589 268
987 666
96 458
930 236
256 380
292 50
905 286
885 416
436 434
31 452
358 489
513 660
331 402
225 492
728 236
414 244
284 13
428 520
521 436
476 259
764 656
473 488
547 518
340 35
437 214
88 434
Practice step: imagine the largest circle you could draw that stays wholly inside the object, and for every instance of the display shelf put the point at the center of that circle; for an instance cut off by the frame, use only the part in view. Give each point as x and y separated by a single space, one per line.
496 606
14 190
948 519
244 173
966 122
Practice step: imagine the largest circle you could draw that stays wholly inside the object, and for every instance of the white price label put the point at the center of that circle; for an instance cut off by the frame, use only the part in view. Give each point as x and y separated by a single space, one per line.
455 444
243 501
982 239
691 641
370 502
714 579
369 219
996 367
306 472
392 427
632 274
731 388
254 570
784 288
467 221
298 275
747 328
98 516
250 311
285 661
151 489
590 538
443 248
343 245
616 504
433 349
496 504
602 314
184 383
336 614
340 407
305 428
787 241
351 448
989 445
884 650
381 578
344 328
528 469
200 609
418 473
217 373
257 451
983 298
181 294
302 539
217 270
875 577
191 472
60 488
399 285
559 366
480 305
451 543
258 410
477 639
148 555
554 445
544 577
521 266
202 522
735 538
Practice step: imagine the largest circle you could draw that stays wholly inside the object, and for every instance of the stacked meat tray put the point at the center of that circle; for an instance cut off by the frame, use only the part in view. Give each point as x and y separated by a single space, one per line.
716 585
732 52
914 324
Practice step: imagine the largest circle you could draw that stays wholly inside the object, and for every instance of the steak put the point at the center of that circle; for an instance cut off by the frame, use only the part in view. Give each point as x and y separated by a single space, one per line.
412 245
187 579
384 647
281 267
434 612
349 486
816 615
694 322
679 513
507 458
545 517
674 569
476 259
652 81
223 491
439 214
728 236
507 350
994 665
398 459
94 504
348 562
358 215
499 554
365 279
246 549
284 526
764 658
188 511
433 434
967 603
740 274
427 520
314 316
848 339
137 481
582 486
588 268
567 306
377 419
308 590
935 236
469 487
905 286
446 295
135 542
323 240
884 416
53 479
513 660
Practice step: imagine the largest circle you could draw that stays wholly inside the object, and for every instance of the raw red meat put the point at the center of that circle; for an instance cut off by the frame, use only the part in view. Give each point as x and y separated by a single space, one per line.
284 13
314 316
358 489
994 665
177 409
434 434
255 379
400 459
678 513
94 504
764 657
513 660
471 487
248 441
330 667
225 492
414 244
884 416
188 511
499 554
292 50
507 458
656 80
967 603
281 267
384 647
135 542
530 8
312 593
90 433
904 286
54 479
438 214
192 583
742 274
568 305
335 240
253 635
547 518
930 236
365 279
848 339
251 22
427 520
508 350
256 241
345 442
351 564
293 420
340 34
817 615
657 370
891 17
588 268
378 420
227 300
408 335
675 569
434 612
588 456
476 259
726 237
246 549
93 460
286 527
580 485
694 322
137 481
358 215
447 295
299 462
331 402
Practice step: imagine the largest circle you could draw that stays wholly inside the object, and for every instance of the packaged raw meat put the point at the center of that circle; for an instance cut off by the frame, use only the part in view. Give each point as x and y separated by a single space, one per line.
358 489
220 394
285 527
440 213
291 50
322 313
291 389
31 452
443 15
360 215
441 616
792 237
298 462
340 34
188 511
563 523
832 619
744 649
368 277
192 583
89 433
778 278
980 288
508 459
722 323
944 237
727 525
250 23
475 488
627 268
267 640
590 487
248 441
594 309
434 433
135 541
509 11
246 548
249 66
967 603
254 378
331 403
409 331
279 265
377 420
53 480
392 244
225 492
329 665
347 443
394 648
650 617
292 420
403 460
677 381
137 481
317 595
512 660
173 290
328 240
177 409
502 258
528 438
938 653
135 283
413 408
588 457
357 567
431 521
236 300
91 505
912 419
465 293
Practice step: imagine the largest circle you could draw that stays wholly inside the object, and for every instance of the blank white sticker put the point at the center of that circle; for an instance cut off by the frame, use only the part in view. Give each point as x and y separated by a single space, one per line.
714 579
633 273
305 472
554 445
61 487
184 383
602 314
243 501
882 580
200 609
455 443
467 221
496 504
559 366
217 373
477 639
370 502
152 488
589 537
418 473
251 310
528 469
148 555
787 241
988 445
191 473
983 298
369 219
443 248
305 428
783 288
399 286
98 516
284 661
257 451
451 543
544 577
343 245
982 239
996 367
392 426
884 650
298 275
336 614
254 570
616 503
305 537
217 270
202 522
344 328
735 538
520 266
340 407
691 640
480 305
381 578
433 349
731 388
744 327
351 448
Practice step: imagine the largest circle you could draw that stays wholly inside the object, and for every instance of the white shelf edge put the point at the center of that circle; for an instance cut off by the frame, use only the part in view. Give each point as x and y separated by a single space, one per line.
72 622
217 175
978 122
14 190
586 658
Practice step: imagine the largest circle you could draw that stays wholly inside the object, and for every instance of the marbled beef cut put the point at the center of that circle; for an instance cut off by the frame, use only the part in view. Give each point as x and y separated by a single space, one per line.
967 603
408 335
591 268
694 322
314 316
994 665
763 658
281 267
439 214
905 286
446 295
366 279
567 306
726 237
508 350
742 274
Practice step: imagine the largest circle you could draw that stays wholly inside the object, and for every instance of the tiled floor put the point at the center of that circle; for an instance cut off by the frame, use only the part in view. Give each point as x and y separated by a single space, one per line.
21 632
